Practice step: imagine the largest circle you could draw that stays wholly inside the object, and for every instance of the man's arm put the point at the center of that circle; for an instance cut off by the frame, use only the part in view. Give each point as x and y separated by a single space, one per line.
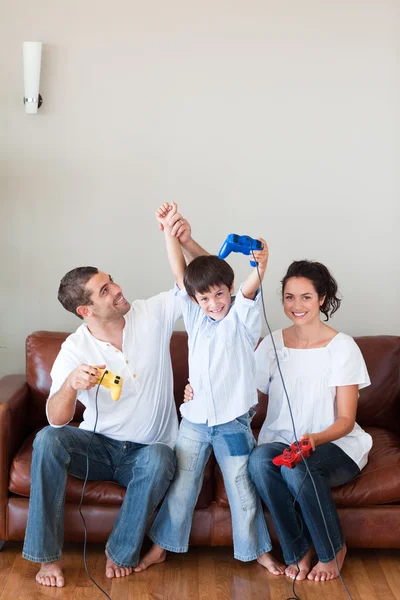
180 228
61 405
165 215
252 283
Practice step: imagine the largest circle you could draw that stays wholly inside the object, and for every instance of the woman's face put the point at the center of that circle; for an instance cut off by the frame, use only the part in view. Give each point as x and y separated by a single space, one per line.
301 302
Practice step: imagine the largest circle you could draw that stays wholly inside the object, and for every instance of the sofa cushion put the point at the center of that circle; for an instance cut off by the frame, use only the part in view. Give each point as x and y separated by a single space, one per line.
378 482
96 492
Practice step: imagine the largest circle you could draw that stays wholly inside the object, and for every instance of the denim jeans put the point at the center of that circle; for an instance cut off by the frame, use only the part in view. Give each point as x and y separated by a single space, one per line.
145 471
278 486
232 444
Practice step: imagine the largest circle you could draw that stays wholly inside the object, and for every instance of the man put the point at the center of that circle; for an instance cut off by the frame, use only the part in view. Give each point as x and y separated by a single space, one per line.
134 436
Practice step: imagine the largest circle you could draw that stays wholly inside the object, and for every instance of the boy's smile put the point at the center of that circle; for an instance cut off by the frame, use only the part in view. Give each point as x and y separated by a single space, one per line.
216 301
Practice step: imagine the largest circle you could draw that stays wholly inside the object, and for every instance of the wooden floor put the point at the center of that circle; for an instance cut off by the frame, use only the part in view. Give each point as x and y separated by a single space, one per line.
202 574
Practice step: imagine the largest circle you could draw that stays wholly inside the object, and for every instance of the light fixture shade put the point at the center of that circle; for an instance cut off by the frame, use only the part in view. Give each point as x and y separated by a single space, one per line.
32 59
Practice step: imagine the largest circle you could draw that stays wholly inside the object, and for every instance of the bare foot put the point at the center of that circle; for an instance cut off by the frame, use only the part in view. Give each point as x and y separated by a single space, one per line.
51 573
304 566
326 571
113 570
155 555
268 561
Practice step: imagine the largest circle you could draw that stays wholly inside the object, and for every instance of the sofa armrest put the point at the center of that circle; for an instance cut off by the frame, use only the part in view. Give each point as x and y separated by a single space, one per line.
14 398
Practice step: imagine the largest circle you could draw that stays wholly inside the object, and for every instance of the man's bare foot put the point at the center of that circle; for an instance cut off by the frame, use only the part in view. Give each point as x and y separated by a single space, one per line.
268 561
155 555
51 574
304 566
326 571
113 570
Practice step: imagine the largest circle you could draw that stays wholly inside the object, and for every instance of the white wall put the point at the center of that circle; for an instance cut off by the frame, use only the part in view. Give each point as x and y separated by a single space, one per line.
278 119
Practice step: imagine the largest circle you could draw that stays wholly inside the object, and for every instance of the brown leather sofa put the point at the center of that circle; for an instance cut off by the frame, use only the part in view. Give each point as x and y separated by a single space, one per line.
369 506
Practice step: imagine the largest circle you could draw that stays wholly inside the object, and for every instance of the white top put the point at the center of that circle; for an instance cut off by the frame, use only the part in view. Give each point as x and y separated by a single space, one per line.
311 377
222 369
145 412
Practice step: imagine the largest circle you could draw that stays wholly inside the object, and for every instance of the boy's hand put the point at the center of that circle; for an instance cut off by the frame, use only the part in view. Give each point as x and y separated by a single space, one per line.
163 213
188 393
311 437
261 256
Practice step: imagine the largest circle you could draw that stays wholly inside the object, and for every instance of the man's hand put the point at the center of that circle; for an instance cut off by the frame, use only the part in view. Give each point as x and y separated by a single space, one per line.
188 393
312 437
84 377
168 216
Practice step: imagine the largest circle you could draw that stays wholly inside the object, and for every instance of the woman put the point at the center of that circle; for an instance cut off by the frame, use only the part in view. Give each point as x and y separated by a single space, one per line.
323 371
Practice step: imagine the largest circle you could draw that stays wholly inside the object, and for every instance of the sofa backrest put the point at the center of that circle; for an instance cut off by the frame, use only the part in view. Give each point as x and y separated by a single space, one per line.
379 404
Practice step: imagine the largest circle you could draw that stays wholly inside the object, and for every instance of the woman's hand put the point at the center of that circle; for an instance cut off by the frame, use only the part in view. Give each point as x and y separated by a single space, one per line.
188 394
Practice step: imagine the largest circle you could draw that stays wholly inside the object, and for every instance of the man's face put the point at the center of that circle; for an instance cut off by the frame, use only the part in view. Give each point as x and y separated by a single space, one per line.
108 302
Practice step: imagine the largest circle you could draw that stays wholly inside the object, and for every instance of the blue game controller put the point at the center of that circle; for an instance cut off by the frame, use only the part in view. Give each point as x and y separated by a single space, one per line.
239 243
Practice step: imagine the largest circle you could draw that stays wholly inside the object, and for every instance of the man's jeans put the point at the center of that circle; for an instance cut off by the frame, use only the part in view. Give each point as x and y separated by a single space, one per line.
278 486
145 471
232 443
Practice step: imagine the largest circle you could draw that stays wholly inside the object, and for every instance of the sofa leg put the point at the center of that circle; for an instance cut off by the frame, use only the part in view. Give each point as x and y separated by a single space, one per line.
2 542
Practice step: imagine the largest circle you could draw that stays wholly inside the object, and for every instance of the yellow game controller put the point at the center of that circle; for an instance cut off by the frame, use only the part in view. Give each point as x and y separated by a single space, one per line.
111 381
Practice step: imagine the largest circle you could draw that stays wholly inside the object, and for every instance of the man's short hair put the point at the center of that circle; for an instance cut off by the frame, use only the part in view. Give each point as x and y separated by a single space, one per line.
72 291
205 272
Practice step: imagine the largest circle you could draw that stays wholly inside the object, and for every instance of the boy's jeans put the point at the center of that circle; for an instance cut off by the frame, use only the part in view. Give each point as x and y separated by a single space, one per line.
278 486
232 444
145 470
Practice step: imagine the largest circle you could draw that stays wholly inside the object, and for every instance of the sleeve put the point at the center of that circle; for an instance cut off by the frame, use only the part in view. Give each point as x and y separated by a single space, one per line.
165 308
263 365
190 310
348 365
64 364
248 312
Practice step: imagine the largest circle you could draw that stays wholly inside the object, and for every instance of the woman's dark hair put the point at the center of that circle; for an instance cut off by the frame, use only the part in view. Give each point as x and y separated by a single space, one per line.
72 291
204 272
322 280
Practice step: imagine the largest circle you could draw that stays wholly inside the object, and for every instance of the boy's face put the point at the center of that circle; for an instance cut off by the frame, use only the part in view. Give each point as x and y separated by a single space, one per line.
216 302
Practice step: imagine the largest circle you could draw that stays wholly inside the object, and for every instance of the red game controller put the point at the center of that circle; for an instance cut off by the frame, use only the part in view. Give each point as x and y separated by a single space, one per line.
291 456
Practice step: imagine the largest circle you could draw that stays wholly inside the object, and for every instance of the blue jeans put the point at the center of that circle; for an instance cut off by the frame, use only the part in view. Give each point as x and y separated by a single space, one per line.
232 444
145 471
278 486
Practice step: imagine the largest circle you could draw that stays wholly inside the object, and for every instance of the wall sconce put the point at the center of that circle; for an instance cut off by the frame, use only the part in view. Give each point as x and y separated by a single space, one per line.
32 57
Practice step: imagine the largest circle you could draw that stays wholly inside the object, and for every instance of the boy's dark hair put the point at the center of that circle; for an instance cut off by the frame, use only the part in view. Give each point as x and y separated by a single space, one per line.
204 272
322 280
72 291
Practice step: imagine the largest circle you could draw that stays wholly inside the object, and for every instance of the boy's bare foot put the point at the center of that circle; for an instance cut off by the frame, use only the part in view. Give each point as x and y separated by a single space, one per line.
304 566
326 571
113 570
155 555
268 561
51 574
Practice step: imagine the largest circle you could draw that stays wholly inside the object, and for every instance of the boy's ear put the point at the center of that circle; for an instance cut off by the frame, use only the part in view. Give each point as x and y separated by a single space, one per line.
232 288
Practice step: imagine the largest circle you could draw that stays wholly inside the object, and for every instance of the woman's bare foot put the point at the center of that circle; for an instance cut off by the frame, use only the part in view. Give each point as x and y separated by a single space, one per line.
304 566
268 561
326 571
113 570
51 574
155 555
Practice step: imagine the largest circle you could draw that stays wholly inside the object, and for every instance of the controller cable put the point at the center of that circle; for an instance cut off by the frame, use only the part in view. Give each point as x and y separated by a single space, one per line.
308 472
83 493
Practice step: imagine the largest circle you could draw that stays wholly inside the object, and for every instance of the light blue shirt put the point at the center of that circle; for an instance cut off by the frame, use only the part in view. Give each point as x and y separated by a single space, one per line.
222 369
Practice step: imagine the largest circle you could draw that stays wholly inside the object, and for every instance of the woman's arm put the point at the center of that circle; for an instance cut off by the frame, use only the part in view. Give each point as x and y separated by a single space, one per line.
346 405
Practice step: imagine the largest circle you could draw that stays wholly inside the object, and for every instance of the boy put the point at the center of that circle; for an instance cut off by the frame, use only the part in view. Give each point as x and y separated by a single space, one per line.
223 332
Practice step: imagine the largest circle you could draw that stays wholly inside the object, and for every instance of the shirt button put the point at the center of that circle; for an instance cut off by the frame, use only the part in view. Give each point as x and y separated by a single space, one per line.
127 362
134 376
116 350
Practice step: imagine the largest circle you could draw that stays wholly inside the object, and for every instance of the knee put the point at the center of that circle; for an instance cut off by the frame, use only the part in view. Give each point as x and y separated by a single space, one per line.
46 440
260 462
162 461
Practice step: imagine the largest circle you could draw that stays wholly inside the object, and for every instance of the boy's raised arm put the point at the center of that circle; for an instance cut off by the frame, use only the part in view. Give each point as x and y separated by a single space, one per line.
164 214
252 283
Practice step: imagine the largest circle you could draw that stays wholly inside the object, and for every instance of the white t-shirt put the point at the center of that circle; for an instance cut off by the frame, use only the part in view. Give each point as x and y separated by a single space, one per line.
311 377
145 412
222 368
